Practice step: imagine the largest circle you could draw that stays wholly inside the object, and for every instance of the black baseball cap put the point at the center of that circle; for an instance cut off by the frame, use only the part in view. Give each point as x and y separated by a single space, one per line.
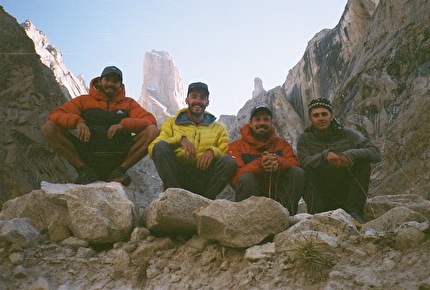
198 85
260 107
112 69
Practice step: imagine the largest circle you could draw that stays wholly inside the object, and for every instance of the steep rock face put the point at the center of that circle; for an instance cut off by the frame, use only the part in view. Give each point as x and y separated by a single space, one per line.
326 59
374 67
28 91
162 90
52 58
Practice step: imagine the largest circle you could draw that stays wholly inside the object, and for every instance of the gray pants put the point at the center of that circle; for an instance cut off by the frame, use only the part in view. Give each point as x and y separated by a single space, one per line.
208 183
286 187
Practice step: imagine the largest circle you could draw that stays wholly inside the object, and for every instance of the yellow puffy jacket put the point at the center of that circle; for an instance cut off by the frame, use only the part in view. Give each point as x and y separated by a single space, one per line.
207 135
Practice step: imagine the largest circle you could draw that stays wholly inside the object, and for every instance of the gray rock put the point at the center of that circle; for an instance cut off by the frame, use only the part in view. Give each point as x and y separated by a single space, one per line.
74 243
407 238
98 212
20 232
241 224
377 206
139 234
394 218
336 223
265 251
172 213
46 216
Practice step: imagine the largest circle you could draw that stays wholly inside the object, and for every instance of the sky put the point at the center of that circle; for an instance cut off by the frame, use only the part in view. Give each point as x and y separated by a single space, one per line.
224 43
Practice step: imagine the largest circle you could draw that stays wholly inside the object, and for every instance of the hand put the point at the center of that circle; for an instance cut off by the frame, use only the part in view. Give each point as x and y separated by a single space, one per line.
205 160
189 149
269 162
337 161
83 131
114 129
344 161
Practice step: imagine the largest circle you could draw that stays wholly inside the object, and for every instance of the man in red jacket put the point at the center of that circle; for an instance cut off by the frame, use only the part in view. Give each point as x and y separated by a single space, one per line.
267 165
104 133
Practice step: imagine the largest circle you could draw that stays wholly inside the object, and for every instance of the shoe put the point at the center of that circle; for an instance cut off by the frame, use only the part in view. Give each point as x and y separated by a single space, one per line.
358 221
120 175
86 175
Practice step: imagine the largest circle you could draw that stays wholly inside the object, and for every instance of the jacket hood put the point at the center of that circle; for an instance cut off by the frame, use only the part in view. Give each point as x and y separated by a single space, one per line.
249 138
96 93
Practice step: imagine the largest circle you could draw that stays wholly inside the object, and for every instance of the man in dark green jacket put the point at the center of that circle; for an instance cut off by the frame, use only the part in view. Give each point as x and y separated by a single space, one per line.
337 163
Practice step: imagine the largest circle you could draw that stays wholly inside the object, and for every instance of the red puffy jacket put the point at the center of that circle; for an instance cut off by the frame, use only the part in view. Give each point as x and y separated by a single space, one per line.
247 151
70 114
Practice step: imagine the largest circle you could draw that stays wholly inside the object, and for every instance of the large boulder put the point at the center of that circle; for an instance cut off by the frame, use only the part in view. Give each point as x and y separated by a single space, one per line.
393 219
241 224
377 206
172 213
96 213
336 223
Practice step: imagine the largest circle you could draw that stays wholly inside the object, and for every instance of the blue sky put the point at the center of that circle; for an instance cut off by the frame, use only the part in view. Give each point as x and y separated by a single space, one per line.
225 43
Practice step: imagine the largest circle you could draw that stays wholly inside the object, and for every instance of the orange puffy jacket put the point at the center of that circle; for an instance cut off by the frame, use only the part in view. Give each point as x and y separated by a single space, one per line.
247 152
70 114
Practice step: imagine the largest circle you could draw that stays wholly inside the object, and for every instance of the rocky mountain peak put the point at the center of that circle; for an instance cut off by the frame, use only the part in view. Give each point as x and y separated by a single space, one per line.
51 57
162 90
258 88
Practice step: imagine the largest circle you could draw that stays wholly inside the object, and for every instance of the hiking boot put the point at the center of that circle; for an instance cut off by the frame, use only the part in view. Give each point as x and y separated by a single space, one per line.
358 221
120 175
86 175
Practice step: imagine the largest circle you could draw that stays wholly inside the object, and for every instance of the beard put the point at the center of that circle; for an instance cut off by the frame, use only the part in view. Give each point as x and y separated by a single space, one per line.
109 91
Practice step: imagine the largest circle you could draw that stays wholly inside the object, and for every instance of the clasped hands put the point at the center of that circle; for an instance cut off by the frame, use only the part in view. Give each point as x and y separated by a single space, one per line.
204 161
269 162
340 161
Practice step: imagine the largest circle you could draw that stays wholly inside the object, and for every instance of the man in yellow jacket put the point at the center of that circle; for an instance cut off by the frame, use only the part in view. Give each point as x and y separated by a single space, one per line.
190 152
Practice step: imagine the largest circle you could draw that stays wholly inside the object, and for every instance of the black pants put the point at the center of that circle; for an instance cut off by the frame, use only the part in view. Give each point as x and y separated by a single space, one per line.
333 188
208 183
286 188
102 154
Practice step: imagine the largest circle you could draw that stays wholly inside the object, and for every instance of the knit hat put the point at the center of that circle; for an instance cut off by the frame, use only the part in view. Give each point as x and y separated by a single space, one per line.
320 103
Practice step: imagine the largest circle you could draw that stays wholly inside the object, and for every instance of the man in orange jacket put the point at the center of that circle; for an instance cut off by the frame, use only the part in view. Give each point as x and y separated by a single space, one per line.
267 165
112 131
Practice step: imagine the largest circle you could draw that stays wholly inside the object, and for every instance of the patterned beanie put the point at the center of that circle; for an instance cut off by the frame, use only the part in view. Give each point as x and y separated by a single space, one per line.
320 103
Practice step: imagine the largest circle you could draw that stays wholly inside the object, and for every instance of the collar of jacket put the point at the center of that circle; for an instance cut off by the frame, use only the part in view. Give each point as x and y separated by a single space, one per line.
96 93
182 118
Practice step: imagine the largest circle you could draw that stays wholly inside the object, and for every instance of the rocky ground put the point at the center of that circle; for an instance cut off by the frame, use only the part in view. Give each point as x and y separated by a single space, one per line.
367 260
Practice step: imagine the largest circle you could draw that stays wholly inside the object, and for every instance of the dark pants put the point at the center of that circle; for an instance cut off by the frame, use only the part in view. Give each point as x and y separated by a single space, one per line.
208 183
102 154
286 188
330 189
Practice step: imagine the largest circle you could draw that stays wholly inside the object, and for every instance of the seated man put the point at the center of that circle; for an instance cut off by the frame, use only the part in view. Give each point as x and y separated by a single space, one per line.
266 163
190 152
103 147
337 163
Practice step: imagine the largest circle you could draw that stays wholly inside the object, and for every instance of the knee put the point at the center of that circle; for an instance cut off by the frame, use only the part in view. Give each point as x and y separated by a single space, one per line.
228 162
49 129
161 147
247 178
296 172
152 132
148 134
